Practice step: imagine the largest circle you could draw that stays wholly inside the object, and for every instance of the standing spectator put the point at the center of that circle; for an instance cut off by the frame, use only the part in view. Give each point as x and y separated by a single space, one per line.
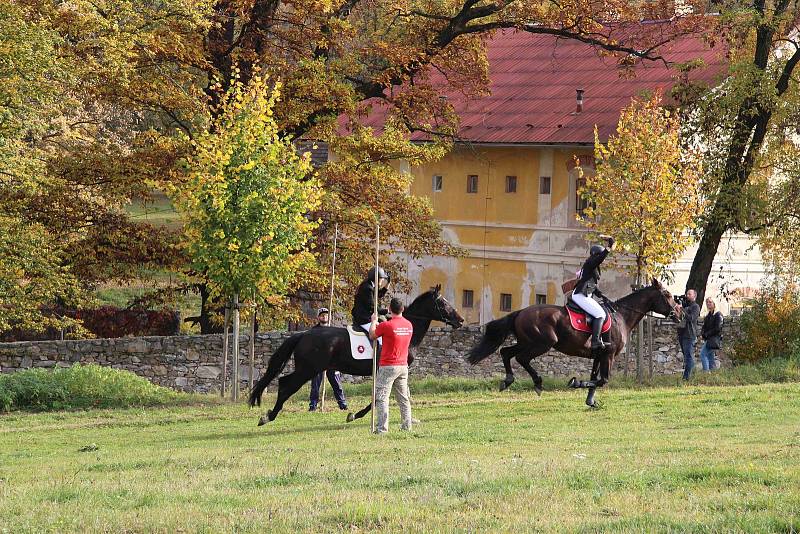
712 334
687 332
323 320
393 366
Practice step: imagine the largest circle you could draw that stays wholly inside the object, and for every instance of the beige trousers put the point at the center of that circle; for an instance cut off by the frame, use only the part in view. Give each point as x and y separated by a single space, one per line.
392 377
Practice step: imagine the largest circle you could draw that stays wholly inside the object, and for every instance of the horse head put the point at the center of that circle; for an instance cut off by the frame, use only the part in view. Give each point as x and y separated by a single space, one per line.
665 305
432 305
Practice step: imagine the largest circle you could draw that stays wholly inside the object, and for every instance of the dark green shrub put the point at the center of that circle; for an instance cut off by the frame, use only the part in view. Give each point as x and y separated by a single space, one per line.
80 387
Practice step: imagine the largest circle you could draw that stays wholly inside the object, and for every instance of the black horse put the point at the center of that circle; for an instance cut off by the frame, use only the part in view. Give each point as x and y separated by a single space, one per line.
541 328
324 348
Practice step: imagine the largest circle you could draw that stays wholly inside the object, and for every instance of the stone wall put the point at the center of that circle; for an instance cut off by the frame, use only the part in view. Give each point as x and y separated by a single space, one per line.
192 363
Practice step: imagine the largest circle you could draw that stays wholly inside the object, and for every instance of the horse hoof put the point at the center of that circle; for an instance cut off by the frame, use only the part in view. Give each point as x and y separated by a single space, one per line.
538 390
573 383
262 421
351 417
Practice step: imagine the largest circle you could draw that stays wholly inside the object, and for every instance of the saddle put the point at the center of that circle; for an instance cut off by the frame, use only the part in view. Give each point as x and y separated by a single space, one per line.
360 345
577 317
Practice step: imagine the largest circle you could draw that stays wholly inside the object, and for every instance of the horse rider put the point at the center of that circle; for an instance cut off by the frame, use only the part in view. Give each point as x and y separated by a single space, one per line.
588 279
365 298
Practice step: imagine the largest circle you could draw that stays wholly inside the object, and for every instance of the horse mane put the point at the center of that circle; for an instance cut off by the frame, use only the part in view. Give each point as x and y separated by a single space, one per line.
634 293
421 324
419 298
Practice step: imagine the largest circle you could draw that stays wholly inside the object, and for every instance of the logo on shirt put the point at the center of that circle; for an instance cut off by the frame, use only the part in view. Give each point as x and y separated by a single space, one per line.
402 331
361 349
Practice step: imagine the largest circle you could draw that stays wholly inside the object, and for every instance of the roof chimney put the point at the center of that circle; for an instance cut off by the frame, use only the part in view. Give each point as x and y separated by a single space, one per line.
579 100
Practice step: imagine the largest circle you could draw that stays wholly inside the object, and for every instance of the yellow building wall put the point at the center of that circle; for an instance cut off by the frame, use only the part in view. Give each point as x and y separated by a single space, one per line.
490 202
495 221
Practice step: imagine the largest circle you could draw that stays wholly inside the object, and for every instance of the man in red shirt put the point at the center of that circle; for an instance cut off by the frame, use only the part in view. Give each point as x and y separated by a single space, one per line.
393 366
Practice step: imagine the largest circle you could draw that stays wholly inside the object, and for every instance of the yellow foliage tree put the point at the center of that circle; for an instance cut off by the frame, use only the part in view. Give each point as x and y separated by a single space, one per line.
645 191
246 200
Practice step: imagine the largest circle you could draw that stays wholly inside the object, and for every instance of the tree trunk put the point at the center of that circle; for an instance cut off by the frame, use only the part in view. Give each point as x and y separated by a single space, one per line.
235 370
225 353
639 336
252 349
703 260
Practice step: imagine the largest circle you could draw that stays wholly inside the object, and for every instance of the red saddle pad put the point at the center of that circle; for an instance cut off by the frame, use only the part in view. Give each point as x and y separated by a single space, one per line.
579 322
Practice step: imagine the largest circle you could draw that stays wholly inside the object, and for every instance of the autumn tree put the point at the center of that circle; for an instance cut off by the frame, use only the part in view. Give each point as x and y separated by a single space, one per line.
32 271
746 128
245 200
646 189
140 73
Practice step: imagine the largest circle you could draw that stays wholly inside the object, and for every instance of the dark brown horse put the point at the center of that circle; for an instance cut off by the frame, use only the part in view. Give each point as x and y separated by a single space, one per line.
541 328
324 348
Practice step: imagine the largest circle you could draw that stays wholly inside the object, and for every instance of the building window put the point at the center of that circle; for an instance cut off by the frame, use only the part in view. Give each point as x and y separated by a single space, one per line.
437 183
511 184
541 299
505 301
544 185
467 298
580 203
472 183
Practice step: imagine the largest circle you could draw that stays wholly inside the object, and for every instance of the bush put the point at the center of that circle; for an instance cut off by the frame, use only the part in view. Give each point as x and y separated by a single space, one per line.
771 327
81 387
107 322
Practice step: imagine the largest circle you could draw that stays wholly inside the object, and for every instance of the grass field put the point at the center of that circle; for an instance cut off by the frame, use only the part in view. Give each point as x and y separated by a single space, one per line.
685 459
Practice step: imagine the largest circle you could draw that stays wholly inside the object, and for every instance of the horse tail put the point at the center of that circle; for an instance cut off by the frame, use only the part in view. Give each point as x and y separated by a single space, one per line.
496 332
276 364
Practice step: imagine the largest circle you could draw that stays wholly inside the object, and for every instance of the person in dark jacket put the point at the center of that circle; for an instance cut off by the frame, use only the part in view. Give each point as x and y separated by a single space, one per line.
323 320
687 332
712 334
364 304
587 287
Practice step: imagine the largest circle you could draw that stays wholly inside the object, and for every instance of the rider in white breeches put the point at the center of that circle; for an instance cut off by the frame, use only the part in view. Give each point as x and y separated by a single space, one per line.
589 305
586 288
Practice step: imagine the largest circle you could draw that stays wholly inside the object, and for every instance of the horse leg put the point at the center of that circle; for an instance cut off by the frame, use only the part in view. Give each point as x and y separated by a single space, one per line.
602 365
590 402
508 353
592 384
287 386
359 414
525 361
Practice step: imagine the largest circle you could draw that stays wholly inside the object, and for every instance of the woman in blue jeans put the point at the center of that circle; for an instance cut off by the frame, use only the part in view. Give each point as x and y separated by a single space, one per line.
712 334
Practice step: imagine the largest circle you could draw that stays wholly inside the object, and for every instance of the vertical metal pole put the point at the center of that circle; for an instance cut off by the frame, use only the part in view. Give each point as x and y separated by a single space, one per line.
330 307
235 387
375 311
225 349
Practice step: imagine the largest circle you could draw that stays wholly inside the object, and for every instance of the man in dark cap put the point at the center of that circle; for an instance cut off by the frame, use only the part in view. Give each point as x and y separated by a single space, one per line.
323 320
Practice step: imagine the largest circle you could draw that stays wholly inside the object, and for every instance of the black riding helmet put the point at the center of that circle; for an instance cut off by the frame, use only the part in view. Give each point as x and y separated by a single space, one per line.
596 249
381 274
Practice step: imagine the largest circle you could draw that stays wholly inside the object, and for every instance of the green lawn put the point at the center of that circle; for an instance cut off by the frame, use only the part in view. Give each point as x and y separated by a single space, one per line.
686 459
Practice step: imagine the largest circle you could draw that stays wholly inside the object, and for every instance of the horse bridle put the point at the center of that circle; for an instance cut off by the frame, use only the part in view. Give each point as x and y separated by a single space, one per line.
673 314
439 309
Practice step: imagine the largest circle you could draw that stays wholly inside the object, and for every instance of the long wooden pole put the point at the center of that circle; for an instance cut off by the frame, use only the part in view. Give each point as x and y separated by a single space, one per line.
375 311
330 305
225 350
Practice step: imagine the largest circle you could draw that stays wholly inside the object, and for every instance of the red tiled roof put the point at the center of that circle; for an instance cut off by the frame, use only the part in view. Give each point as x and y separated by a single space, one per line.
533 82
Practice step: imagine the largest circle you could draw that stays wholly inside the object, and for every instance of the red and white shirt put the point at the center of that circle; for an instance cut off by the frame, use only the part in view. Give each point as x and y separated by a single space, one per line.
396 334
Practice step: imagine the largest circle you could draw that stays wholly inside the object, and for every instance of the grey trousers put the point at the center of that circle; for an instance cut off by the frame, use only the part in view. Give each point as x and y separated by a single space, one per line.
392 377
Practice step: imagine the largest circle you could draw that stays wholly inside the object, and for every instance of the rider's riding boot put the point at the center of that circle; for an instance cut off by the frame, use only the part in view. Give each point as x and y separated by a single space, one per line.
597 339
